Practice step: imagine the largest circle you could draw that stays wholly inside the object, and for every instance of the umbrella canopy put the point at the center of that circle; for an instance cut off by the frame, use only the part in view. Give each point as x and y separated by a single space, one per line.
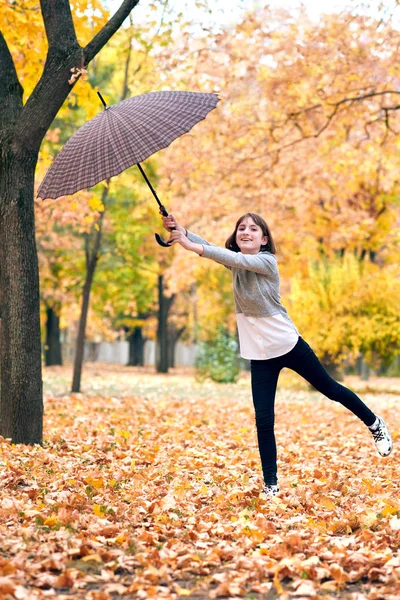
123 135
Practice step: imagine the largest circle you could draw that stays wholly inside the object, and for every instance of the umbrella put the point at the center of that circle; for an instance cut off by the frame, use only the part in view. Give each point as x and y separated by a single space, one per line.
123 135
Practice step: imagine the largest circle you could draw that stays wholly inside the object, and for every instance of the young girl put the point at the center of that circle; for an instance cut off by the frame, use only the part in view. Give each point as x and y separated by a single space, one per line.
267 335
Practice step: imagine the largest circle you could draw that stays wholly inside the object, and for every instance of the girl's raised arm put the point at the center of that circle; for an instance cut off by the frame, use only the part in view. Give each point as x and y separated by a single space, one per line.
263 262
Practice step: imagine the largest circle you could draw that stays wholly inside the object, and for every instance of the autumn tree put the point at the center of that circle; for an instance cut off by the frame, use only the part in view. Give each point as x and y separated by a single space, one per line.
23 124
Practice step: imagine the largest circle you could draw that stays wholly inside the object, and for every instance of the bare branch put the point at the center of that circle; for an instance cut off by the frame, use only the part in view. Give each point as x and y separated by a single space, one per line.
362 97
312 135
108 30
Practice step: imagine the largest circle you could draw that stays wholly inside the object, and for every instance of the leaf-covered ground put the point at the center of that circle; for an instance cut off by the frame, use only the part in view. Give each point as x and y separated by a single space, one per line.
149 487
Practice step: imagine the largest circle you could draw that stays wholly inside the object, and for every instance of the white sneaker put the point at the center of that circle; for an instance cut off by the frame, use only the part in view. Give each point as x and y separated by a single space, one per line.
270 490
382 438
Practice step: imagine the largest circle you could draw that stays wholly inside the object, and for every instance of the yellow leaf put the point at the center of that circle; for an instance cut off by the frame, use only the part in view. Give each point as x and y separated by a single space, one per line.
389 510
97 510
277 583
51 521
121 538
96 204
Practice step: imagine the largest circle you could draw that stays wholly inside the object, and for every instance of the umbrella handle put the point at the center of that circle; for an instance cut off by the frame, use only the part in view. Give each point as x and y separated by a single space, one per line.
159 239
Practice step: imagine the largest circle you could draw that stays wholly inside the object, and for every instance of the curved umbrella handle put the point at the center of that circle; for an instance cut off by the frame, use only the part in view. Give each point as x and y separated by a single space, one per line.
157 236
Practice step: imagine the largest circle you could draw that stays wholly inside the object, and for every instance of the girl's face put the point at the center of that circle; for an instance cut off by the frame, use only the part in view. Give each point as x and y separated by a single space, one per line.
249 237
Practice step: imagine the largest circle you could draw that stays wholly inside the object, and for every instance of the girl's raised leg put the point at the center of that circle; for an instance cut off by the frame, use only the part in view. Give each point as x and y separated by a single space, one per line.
303 360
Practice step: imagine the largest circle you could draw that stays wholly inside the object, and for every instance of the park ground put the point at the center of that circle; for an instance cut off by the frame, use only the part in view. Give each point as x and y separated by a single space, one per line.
148 486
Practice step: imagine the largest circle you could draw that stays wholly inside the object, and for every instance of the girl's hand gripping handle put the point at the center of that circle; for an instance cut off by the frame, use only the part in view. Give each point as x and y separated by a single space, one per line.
159 239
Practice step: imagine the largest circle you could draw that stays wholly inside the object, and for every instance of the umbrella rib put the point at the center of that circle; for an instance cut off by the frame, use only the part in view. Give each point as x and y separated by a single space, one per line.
137 135
121 165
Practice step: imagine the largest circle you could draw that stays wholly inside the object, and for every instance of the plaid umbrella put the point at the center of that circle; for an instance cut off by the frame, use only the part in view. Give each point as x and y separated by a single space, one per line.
123 135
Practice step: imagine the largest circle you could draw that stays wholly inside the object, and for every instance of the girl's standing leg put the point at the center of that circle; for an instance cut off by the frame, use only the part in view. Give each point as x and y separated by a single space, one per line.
303 360
264 379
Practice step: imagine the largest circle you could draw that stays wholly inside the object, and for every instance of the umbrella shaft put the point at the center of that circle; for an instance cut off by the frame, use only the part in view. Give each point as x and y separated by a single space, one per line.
163 210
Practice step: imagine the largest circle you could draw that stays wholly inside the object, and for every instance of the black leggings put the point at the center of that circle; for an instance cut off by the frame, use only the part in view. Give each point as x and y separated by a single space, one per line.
264 379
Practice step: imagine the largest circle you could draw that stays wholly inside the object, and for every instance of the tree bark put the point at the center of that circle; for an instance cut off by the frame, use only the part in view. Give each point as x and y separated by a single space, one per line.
21 405
164 305
136 348
52 353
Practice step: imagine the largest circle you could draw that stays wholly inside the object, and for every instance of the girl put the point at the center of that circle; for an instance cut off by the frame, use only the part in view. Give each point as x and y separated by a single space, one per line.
267 335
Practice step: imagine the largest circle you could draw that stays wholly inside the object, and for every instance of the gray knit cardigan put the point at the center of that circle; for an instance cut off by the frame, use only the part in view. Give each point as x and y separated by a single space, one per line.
256 283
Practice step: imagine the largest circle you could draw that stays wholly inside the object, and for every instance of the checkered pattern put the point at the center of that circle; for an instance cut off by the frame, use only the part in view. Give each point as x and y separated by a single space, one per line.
121 136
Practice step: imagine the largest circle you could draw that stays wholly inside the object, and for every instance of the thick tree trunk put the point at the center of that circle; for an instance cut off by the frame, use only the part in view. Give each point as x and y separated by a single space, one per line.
21 405
136 348
52 350
164 305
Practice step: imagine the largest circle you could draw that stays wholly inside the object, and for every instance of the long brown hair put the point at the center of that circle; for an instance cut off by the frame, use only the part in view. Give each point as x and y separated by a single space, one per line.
269 246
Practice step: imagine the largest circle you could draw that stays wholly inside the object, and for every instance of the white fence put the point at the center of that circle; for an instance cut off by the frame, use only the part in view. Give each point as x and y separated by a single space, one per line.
118 352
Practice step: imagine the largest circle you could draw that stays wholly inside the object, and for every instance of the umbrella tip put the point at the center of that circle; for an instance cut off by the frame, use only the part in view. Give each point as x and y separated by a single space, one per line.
102 99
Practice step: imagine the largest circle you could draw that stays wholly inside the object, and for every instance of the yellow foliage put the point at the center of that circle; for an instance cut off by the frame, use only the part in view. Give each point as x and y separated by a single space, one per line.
346 307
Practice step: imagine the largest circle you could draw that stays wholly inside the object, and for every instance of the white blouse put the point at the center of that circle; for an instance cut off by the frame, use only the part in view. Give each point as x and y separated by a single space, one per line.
261 338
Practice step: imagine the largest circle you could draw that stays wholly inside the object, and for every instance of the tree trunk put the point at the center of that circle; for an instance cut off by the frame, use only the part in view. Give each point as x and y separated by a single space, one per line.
21 405
80 341
164 305
173 337
92 256
136 348
363 368
171 350
52 350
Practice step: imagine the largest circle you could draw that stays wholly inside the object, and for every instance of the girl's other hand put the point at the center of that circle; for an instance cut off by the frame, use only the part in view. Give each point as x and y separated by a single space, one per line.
178 237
